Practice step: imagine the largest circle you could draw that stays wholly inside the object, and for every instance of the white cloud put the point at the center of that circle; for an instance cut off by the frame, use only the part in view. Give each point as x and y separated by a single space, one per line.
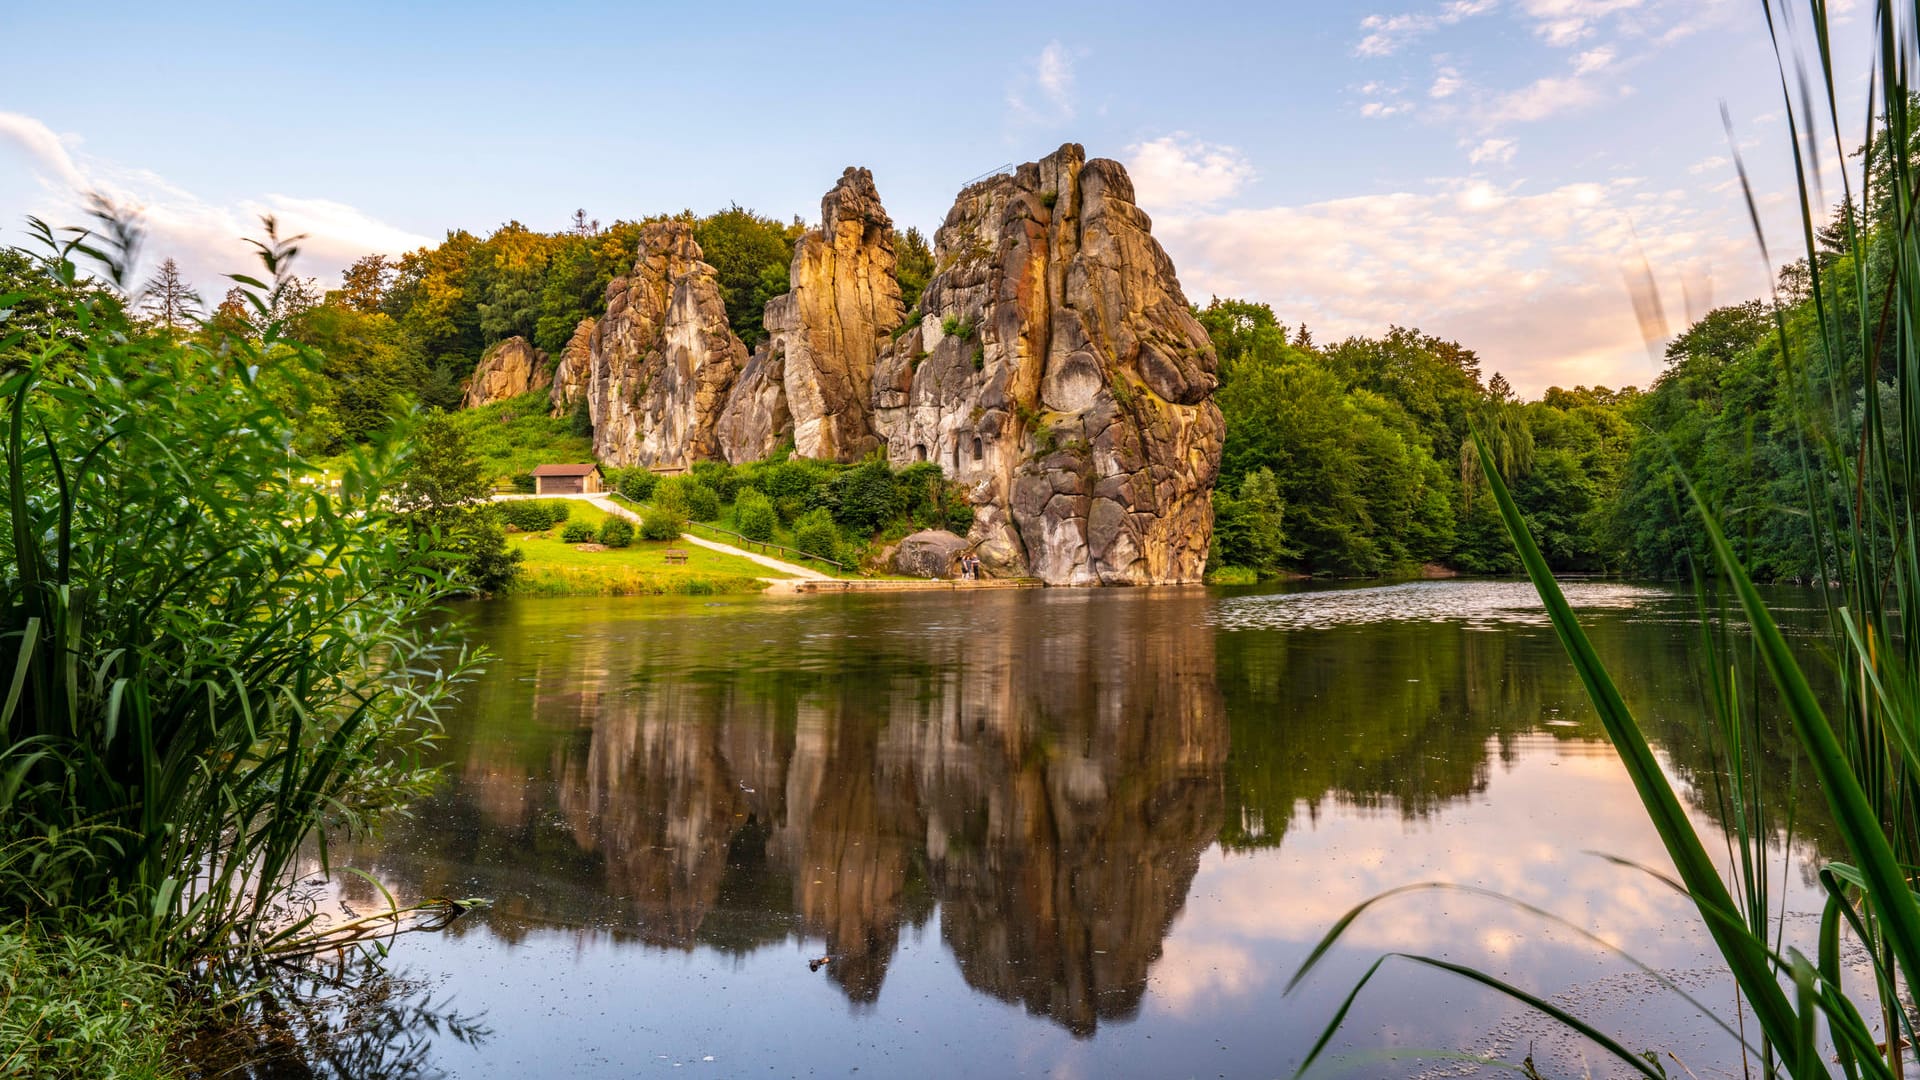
1567 22
1044 95
206 238
1543 98
1383 35
42 147
1493 152
1446 83
1592 60
1529 279
1382 109
1179 170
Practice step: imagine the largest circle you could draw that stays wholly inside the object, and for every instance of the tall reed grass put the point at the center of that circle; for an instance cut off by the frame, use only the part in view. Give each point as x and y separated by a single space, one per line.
208 657
1856 379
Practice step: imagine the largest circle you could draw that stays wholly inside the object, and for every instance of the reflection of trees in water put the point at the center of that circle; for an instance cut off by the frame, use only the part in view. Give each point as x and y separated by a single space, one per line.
1409 717
1048 772
358 1023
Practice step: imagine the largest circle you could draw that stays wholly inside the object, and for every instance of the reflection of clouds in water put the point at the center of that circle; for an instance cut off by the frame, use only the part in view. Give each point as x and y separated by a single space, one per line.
1530 838
1478 604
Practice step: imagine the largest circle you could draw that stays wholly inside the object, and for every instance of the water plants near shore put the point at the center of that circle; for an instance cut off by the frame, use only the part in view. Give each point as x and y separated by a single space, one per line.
211 658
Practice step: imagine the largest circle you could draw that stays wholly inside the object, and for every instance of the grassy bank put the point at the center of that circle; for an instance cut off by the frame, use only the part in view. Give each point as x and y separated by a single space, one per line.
555 568
75 1005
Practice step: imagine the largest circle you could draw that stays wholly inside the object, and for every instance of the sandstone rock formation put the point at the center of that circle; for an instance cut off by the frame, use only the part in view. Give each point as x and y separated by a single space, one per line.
815 372
929 553
1058 370
662 358
507 370
570 375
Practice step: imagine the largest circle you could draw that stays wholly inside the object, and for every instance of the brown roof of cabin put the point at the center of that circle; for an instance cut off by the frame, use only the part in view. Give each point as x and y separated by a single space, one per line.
564 470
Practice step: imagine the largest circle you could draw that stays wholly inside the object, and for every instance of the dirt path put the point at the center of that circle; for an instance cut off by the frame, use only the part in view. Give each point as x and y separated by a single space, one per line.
792 569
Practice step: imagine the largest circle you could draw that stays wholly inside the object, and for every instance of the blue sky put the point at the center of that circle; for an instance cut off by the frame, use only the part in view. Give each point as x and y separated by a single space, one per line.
1482 169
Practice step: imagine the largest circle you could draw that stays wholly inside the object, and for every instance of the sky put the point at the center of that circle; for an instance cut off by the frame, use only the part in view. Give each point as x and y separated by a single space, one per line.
1491 171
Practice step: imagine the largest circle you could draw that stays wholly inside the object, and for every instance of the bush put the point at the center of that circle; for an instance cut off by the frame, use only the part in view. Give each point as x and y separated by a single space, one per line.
754 515
795 479
636 484
523 483
960 518
661 524
722 478
529 515
688 497
816 534
865 497
616 532
577 532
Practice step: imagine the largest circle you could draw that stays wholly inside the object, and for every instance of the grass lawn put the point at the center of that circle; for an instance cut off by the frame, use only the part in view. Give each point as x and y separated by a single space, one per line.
553 568
511 437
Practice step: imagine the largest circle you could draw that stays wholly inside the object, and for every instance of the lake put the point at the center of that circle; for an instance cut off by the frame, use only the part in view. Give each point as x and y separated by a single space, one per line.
1076 833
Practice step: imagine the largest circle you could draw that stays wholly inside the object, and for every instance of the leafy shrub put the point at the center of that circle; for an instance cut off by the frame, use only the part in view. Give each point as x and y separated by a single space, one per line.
636 484
1232 575
523 483
577 532
816 534
955 326
616 532
866 496
796 479
661 524
276 653
754 515
722 478
530 515
687 497
1249 530
959 517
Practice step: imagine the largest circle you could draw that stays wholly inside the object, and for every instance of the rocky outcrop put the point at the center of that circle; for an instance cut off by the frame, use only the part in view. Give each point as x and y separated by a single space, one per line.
1058 370
815 373
757 416
929 553
507 370
570 376
662 358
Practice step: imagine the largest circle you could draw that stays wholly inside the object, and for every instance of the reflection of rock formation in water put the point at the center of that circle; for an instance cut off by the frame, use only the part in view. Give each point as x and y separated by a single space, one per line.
1052 790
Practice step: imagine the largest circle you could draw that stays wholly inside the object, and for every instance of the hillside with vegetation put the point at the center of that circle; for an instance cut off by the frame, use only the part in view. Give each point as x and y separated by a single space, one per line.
1347 459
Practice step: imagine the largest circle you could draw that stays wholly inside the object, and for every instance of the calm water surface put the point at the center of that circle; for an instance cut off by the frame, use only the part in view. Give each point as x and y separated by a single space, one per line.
1048 833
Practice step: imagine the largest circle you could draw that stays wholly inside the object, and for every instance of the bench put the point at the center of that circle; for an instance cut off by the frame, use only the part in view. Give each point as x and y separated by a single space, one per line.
675 556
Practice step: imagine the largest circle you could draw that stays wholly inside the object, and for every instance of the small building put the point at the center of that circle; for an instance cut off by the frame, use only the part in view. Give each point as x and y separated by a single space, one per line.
567 479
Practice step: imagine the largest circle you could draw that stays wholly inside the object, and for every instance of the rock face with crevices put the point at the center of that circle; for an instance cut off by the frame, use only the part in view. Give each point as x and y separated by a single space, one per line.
507 369
662 359
1058 370
570 376
813 379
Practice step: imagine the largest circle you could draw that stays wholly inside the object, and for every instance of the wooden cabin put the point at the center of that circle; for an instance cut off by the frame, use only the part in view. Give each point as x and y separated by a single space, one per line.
567 479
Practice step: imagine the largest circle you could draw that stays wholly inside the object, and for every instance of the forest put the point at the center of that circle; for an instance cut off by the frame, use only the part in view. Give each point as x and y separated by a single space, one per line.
1343 460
